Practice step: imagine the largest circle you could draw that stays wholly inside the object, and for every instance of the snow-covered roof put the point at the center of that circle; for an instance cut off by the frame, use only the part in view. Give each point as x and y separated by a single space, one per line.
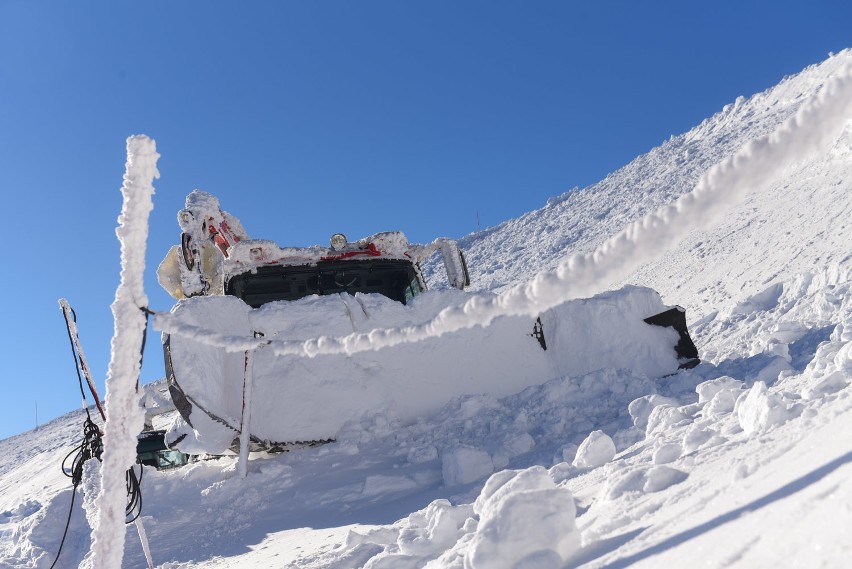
249 254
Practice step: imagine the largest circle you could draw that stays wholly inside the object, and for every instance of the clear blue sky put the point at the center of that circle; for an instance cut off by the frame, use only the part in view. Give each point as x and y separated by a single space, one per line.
308 118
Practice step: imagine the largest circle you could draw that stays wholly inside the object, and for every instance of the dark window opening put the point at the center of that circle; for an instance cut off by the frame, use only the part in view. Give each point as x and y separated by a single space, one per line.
394 279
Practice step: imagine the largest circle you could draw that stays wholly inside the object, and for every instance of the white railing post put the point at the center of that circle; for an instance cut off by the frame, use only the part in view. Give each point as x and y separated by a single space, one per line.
125 418
245 421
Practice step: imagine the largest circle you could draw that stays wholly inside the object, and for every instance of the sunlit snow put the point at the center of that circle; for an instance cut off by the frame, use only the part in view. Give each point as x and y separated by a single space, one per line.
742 461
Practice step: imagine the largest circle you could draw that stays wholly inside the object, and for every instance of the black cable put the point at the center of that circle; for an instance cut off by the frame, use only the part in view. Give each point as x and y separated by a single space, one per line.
134 493
147 312
133 483
76 361
91 447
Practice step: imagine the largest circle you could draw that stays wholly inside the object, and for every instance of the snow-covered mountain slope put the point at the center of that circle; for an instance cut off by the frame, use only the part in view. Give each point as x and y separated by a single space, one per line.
35 496
743 461
787 221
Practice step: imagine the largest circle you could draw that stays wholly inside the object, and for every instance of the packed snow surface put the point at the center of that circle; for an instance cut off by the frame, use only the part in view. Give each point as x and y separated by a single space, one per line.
742 461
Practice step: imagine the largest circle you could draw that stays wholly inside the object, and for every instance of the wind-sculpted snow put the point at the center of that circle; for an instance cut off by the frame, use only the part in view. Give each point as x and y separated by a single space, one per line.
307 399
706 432
744 461
693 454
581 220
817 124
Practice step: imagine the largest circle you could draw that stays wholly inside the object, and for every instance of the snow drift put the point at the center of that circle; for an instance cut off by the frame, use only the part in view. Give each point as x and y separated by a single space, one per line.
309 399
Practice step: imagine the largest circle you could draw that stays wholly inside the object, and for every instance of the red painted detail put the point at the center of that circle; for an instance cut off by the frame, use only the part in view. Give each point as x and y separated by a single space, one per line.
227 229
222 243
217 238
370 251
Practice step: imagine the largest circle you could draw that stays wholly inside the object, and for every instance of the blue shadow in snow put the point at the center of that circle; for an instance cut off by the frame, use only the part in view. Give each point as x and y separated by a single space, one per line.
803 350
597 549
783 492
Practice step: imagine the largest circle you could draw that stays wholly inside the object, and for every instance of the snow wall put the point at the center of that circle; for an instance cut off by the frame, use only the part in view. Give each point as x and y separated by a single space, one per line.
297 398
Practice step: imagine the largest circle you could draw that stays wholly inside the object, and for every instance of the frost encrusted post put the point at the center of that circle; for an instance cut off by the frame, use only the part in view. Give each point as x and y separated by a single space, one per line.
125 418
245 423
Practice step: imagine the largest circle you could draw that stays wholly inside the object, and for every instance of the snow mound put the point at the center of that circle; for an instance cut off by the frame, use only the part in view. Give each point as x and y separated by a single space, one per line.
596 450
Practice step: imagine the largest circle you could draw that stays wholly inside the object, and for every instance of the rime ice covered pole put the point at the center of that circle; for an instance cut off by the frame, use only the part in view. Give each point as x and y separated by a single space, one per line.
68 312
245 423
125 418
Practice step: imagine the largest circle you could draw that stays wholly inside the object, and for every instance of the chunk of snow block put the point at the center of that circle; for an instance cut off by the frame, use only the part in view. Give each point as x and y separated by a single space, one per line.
419 455
771 371
707 390
596 450
517 445
659 478
758 410
843 358
665 416
640 409
827 384
723 402
462 465
653 479
513 446
524 519
430 531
